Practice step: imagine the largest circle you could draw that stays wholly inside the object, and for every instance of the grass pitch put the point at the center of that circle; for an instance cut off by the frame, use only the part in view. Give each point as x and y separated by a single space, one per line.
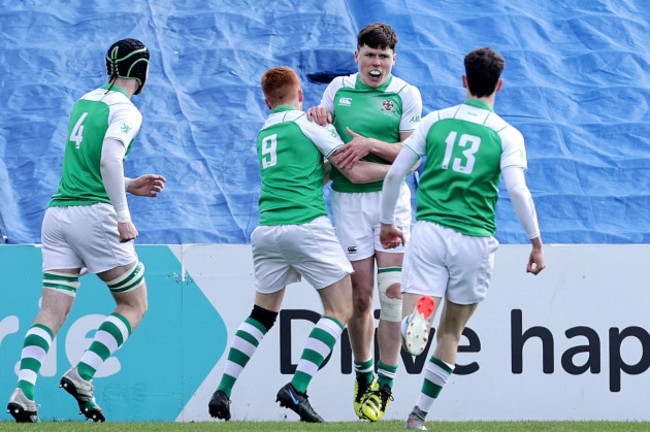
241 426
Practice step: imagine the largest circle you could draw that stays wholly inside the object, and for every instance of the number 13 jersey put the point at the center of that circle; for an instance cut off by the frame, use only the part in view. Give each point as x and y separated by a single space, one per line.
466 147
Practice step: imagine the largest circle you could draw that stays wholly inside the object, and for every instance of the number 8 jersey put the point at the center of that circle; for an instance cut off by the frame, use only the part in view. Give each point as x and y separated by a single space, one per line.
97 115
466 147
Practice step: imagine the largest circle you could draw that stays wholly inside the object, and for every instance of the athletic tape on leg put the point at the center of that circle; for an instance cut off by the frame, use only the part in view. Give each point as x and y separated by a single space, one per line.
130 280
66 283
391 308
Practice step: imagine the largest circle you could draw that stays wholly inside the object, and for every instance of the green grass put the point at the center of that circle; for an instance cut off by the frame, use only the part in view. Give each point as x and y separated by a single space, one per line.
240 426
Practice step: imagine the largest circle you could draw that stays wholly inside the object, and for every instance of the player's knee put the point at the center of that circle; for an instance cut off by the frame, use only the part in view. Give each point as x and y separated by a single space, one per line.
130 280
362 302
388 282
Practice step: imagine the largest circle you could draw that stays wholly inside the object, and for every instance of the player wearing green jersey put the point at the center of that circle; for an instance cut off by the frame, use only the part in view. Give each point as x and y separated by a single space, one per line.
87 227
294 239
468 148
374 112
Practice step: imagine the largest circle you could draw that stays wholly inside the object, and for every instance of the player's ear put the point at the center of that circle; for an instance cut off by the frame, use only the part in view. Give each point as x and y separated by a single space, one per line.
300 95
356 56
464 81
266 101
499 85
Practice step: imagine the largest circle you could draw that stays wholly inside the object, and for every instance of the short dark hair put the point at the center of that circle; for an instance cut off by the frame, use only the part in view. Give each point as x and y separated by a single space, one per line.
279 83
483 67
377 35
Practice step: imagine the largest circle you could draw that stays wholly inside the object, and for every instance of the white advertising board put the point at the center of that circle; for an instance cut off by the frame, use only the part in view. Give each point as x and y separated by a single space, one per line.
569 344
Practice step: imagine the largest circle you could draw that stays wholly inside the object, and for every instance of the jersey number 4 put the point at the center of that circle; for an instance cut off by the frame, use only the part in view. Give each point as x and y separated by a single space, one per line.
269 151
458 164
77 134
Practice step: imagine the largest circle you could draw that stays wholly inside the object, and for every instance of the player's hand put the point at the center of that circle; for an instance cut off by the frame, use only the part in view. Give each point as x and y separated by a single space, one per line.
319 115
536 261
148 185
353 151
127 231
360 146
391 236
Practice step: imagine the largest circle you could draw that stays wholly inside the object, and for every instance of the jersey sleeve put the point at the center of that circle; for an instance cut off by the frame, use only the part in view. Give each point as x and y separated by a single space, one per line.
411 109
325 138
514 151
330 93
417 142
123 123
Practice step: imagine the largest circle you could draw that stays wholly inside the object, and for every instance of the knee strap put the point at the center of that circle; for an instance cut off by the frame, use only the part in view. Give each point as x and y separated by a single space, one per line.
66 283
129 280
391 308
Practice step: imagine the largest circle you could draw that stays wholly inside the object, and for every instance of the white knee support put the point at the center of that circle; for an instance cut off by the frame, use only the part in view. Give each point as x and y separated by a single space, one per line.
66 283
391 308
130 280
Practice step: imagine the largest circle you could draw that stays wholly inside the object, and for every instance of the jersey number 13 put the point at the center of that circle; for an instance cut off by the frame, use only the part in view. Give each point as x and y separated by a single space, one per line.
462 165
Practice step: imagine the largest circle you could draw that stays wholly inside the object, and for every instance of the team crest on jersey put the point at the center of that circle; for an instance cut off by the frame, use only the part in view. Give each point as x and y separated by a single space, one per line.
388 105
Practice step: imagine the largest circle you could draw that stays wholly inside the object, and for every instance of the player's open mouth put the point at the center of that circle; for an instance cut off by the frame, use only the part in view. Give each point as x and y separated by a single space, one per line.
374 73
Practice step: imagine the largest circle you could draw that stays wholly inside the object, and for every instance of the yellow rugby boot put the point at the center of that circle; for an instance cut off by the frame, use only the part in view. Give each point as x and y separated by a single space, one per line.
375 403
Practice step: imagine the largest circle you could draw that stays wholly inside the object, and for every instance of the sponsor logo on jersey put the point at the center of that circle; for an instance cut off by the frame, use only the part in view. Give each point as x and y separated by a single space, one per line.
345 101
125 128
415 119
352 250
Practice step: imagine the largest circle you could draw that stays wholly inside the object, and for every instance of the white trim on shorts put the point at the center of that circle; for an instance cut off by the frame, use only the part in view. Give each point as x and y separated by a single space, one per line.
84 236
282 254
442 262
357 221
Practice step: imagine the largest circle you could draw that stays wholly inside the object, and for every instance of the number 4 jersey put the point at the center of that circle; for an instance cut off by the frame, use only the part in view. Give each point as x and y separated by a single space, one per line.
290 149
466 147
97 115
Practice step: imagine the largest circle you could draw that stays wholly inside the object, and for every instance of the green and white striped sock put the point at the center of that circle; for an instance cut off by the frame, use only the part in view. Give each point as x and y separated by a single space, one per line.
365 370
35 347
109 337
319 345
386 374
246 340
436 375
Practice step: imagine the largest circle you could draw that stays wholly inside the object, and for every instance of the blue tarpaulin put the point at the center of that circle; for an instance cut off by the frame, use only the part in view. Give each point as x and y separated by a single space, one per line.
577 85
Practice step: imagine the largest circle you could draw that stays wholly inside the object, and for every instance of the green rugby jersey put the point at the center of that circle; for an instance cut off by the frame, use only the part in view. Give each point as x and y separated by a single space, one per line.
290 150
466 147
380 113
96 116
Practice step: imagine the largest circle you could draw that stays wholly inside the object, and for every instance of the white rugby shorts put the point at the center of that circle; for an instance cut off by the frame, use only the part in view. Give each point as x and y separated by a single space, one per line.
357 221
442 262
84 236
284 253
